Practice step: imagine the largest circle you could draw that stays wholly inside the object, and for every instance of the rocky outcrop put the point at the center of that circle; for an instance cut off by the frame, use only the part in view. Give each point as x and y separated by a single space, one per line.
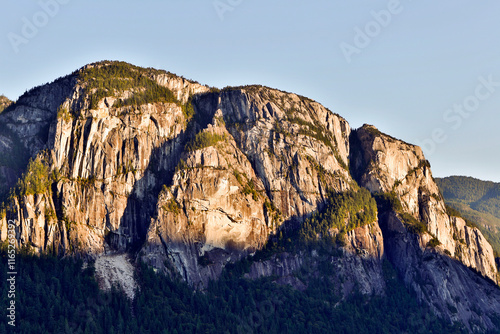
24 128
357 266
182 88
267 165
108 166
473 250
114 170
31 116
296 146
384 164
212 213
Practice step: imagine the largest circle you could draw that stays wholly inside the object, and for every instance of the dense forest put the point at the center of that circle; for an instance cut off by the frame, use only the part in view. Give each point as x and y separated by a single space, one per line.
59 296
477 201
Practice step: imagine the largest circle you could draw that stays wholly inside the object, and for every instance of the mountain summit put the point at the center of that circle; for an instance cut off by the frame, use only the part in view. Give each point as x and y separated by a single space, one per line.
190 178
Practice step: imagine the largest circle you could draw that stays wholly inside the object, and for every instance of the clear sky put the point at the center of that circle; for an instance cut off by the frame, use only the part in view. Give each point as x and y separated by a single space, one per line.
427 72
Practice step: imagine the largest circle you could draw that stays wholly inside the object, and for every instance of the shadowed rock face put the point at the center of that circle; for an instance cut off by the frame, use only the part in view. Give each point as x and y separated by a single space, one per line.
205 179
452 290
356 267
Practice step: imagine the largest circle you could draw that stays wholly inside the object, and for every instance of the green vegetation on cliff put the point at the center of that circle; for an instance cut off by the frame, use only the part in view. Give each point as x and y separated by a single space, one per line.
390 202
36 179
204 139
114 78
342 213
327 228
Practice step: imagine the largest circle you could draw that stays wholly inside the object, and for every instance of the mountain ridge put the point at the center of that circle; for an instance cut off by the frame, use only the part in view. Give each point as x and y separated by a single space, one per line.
191 178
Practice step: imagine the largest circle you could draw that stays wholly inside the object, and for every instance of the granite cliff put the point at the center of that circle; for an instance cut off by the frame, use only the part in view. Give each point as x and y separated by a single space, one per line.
188 178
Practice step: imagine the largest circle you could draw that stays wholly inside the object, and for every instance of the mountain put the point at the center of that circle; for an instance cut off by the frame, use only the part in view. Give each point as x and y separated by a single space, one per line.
115 161
478 201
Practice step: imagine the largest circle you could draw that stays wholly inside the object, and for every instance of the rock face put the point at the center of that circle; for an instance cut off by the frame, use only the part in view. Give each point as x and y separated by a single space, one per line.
108 165
263 168
190 179
453 291
473 250
384 164
357 266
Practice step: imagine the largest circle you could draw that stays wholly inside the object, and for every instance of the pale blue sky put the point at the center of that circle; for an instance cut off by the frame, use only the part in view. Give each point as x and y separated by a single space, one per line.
418 62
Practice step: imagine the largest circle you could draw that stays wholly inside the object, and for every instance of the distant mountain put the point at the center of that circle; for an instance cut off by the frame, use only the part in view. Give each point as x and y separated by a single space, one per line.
477 200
